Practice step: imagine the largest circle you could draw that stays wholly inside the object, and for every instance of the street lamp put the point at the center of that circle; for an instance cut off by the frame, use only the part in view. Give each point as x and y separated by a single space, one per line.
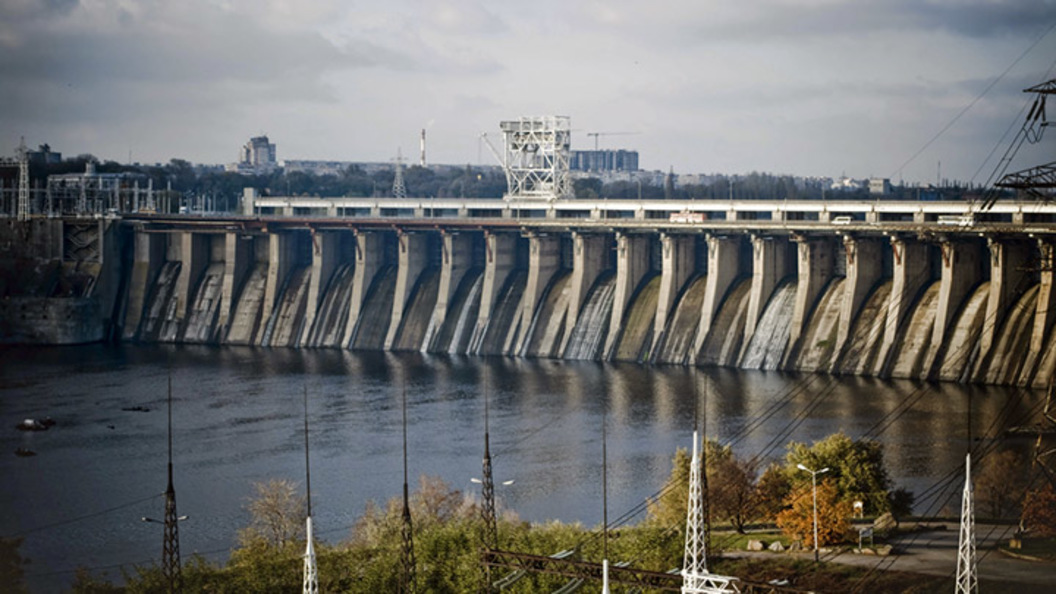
814 484
152 520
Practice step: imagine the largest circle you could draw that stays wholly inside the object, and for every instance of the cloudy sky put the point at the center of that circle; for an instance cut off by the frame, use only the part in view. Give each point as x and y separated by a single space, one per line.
806 87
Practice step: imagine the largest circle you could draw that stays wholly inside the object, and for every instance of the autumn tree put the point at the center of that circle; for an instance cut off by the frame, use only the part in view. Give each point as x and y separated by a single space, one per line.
1039 512
730 488
771 492
856 470
999 483
834 513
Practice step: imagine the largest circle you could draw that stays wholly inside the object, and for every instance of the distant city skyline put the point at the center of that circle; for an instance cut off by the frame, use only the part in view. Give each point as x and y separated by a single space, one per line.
798 87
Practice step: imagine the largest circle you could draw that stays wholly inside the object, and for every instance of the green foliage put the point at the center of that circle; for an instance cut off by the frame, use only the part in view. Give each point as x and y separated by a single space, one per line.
731 489
856 468
771 492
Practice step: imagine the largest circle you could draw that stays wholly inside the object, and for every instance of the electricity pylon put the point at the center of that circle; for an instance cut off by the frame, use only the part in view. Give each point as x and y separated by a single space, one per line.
399 190
407 529
23 181
170 550
967 580
696 578
311 574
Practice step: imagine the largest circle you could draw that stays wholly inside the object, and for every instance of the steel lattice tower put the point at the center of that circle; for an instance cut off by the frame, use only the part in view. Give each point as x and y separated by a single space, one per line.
408 579
695 576
967 580
487 510
311 575
399 190
23 181
170 552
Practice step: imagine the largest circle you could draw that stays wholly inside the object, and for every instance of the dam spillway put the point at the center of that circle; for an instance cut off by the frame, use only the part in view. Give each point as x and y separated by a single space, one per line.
886 291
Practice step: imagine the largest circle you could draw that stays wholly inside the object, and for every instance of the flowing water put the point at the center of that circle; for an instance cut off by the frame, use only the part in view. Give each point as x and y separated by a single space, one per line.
682 328
237 419
588 336
771 335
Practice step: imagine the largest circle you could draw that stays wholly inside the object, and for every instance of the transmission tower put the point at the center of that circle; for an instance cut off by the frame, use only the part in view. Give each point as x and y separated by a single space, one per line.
967 581
487 493
23 180
696 578
311 574
398 189
407 585
170 553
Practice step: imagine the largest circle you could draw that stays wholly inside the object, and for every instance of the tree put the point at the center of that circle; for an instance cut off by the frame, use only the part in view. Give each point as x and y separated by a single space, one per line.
999 483
730 488
833 515
586 187
771 492
1039 512
11 565
277 515
856 468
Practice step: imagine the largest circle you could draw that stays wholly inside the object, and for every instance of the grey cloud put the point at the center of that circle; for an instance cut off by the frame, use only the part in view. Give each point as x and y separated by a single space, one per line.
971 18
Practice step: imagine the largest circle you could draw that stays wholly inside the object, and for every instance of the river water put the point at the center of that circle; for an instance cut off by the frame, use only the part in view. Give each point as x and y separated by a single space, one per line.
238 419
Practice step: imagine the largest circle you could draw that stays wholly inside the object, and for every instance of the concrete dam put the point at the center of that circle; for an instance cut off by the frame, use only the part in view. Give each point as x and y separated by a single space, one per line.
899 290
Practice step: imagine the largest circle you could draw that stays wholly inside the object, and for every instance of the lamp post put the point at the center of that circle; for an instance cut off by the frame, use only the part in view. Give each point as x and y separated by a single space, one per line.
814 485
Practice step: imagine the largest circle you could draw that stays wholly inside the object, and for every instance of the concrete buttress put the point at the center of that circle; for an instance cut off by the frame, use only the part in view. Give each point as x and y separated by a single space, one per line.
590 256
912 271
769 267
724 267
500 255
325 258
238 259
369 259
632 263
413 258
149 254
815 268
678 261
544 260
864 269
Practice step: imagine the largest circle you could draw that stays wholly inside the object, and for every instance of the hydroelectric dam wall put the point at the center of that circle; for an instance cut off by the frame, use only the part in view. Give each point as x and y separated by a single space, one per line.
904 290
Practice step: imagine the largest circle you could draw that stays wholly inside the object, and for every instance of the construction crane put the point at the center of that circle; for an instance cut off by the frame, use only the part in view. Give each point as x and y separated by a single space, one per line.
597 134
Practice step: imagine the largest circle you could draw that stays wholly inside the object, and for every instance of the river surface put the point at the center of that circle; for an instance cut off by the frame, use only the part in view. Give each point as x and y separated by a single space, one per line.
238 419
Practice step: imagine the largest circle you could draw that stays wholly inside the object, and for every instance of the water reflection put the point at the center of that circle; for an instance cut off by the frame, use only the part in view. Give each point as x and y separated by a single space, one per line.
237 417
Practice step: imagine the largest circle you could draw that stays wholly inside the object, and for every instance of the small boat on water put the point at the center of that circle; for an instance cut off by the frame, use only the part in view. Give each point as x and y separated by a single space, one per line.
35 425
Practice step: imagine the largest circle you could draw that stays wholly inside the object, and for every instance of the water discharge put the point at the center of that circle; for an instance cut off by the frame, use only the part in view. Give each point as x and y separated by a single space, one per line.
771 335
636 335
201 320
681 330
588 336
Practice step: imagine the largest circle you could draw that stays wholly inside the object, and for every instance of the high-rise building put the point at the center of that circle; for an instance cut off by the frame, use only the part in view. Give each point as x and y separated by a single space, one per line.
256 156
604 160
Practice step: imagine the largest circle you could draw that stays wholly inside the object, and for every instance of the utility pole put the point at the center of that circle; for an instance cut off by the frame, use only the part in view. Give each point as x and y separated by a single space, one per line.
407 530
967 580
170 545
604 501
487 488
311 574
